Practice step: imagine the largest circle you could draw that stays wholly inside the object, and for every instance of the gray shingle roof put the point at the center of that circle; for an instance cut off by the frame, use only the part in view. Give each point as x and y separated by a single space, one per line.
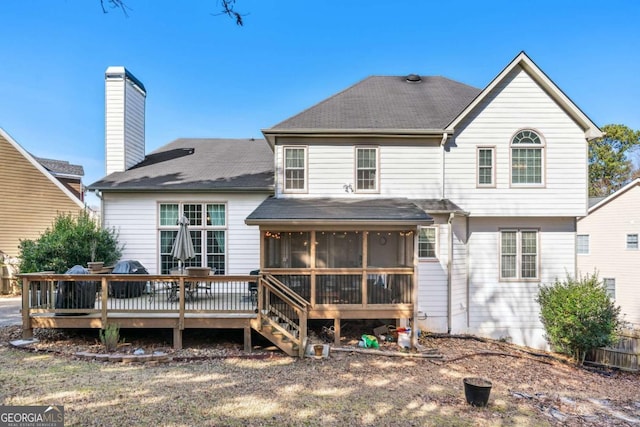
434 206
60 167
387 102
338 210
595 200
196 165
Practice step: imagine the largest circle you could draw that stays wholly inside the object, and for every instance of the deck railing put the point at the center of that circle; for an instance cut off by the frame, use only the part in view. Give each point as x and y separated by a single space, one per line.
64 294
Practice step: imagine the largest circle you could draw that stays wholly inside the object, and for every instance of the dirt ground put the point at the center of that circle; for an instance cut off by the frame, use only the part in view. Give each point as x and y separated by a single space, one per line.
213 383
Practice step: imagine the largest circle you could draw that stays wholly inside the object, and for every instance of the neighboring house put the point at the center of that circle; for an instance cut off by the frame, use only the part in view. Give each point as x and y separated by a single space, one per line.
33 192
400 197
607 244
69 175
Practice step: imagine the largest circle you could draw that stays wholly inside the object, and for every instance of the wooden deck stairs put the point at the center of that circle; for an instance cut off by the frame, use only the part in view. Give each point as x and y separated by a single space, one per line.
282 316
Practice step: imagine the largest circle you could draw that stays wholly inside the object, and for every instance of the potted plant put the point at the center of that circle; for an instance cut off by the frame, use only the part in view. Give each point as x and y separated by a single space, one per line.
93 264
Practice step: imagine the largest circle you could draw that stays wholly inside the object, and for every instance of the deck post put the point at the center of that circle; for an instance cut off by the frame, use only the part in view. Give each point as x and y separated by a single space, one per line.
104 297
177 339
27 330
336 331
247 339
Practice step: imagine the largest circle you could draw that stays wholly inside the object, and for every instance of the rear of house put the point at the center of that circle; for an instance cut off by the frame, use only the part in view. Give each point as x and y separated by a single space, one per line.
412 198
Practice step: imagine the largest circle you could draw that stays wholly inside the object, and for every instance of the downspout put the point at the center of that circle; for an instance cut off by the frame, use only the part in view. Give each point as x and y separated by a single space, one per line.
449 273
445 135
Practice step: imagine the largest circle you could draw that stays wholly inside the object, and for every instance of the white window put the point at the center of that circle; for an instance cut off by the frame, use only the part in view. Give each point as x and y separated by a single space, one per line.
632 241
207 227
486 161
427 242
295 169
527 159
519 254
609 284
582 244
366 169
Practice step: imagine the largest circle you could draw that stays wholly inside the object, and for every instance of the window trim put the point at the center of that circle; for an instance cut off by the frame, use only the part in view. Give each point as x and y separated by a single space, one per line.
588 252
305 186
518 277
377 170
492 148
436 242
627 242
543 164
610 287
202 229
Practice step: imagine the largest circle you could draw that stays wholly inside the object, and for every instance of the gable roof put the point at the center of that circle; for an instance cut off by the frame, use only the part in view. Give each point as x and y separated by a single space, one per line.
604 200
290 211
522 60
198 164
31 159
384 104
61 167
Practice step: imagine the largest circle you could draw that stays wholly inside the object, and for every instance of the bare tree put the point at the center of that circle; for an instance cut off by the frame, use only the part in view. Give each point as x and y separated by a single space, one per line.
228 8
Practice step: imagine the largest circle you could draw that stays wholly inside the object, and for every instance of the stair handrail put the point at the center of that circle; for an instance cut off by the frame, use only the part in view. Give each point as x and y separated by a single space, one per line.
284 292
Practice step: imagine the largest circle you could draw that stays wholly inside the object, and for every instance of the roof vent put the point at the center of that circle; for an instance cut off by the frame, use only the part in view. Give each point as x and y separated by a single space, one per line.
414 78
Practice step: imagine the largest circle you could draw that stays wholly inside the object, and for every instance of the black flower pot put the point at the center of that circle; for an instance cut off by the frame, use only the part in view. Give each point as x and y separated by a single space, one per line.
477 391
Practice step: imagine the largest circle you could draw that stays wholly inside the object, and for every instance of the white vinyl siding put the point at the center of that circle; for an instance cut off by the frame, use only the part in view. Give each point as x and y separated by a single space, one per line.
582 244
135 217
411 171
507 308
517 103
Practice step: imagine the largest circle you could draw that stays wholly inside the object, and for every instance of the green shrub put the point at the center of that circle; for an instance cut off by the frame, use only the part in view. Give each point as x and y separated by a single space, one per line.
578 316
72 240
110 337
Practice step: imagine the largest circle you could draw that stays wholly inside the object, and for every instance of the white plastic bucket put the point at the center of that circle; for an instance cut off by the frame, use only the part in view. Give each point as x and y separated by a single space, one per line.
404 339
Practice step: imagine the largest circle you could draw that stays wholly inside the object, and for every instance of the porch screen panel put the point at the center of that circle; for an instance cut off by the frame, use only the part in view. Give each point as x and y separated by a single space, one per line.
390 249
389 288
339 249
286 249
339 289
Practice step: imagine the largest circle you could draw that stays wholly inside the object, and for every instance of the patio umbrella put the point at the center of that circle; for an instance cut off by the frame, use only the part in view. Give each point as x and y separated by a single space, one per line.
182 248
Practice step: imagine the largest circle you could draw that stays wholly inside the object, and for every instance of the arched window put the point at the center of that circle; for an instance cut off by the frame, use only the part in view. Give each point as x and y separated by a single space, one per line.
527 158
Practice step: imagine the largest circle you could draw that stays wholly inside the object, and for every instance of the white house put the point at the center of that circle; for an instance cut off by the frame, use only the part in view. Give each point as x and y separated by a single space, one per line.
607 244
414 197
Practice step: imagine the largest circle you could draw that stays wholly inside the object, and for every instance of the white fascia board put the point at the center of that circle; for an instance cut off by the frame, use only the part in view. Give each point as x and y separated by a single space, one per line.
41 168
591 130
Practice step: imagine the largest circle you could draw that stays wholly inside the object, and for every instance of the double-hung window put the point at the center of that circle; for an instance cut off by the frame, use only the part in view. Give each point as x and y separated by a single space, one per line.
295 179
519 254
207 229
582 244
366 169
427 243
486 167
632 241
527 159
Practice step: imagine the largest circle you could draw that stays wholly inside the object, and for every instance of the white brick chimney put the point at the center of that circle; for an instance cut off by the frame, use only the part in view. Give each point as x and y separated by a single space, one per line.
124 120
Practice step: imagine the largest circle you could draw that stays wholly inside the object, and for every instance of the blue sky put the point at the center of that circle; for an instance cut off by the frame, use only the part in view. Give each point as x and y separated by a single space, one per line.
206 77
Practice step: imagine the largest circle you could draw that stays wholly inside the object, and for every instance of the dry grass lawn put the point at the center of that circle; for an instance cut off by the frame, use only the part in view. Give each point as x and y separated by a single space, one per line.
346 389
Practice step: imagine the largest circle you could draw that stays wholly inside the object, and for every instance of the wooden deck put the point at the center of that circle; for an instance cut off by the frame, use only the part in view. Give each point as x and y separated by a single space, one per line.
261 303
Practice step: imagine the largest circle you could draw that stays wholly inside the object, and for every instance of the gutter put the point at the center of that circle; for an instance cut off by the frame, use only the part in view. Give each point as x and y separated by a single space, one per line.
449 272
445 135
